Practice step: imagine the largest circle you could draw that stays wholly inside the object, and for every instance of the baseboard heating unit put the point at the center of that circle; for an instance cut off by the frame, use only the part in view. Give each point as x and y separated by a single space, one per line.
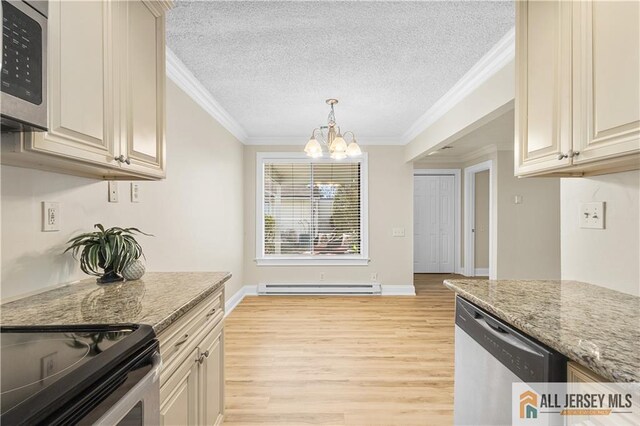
319 289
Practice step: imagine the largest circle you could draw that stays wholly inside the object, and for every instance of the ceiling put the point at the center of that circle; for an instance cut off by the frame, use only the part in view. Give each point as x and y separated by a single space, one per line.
271 65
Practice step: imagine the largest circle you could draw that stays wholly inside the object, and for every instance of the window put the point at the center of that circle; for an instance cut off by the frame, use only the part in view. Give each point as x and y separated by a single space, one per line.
311 211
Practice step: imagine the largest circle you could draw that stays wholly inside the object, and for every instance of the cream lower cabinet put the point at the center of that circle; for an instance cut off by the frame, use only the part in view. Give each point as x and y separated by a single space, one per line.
577 90
192 378
105 93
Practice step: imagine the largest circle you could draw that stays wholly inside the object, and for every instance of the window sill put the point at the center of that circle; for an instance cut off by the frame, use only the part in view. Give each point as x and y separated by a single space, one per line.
289 261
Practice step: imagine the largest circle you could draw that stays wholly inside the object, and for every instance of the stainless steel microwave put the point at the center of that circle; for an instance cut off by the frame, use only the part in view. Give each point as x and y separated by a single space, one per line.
23 78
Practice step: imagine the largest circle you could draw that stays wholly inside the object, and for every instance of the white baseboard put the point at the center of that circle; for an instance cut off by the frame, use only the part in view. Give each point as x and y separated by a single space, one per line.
482 272
247 290
398 290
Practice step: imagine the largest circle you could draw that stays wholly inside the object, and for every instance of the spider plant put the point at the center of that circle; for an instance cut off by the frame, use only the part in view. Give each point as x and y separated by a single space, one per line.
106 252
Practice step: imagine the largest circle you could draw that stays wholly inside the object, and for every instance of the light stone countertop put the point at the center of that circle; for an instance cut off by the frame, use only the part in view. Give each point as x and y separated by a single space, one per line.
158 299
591 325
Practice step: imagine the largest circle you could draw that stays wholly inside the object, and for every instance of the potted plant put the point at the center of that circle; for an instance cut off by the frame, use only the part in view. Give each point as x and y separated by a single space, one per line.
105 253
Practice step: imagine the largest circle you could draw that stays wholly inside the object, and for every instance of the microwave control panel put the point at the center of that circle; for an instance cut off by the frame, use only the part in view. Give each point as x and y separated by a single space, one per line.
21 55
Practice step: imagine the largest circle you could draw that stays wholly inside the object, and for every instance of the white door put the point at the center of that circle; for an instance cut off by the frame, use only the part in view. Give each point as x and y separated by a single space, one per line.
434 224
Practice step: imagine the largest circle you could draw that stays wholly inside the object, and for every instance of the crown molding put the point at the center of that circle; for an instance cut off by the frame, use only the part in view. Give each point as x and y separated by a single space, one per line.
494 60
178 72
301 140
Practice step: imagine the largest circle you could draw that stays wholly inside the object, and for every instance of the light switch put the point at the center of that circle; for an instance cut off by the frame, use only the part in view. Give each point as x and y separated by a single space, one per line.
50 216
592 215
397 232
517 199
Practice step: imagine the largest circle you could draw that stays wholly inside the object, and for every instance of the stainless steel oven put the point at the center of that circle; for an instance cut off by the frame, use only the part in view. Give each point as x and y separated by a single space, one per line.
23 78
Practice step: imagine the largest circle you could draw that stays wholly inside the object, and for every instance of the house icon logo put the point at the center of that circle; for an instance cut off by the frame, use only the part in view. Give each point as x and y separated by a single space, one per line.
528 405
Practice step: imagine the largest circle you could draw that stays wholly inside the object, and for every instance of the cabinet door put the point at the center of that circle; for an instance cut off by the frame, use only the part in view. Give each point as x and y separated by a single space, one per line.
212 377
179 394
606 91
80 84
143 141
543 86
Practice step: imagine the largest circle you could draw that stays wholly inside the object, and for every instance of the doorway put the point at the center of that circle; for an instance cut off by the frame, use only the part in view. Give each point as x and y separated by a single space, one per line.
436 220
478 220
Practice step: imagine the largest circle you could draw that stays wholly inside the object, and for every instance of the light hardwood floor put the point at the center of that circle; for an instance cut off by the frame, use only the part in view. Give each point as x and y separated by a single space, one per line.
342 360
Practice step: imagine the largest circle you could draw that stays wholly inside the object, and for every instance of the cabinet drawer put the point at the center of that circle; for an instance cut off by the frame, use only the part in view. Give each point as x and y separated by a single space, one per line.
180 336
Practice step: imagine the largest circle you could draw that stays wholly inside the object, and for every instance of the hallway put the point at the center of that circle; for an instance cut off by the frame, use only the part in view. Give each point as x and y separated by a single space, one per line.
342 360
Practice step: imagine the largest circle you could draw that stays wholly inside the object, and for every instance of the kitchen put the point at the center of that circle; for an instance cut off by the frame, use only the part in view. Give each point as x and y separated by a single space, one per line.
180 157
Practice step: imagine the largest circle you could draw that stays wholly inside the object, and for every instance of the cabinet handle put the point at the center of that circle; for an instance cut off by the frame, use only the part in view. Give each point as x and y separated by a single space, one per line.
122 159
202 357
573 153
211 312
181 341
562 156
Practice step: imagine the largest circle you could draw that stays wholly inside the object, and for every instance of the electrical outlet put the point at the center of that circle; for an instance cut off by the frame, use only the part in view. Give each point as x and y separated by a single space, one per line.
50 216
321 276
135 192
113 191
374 277
397 232
592 215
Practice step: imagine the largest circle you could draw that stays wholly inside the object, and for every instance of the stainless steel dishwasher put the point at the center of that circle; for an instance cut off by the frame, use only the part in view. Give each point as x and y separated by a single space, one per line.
490 355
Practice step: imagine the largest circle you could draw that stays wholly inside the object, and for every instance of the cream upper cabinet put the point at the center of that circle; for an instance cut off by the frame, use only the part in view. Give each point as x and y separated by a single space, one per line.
543 85
606 79
578 92
106 92
143 88
80 77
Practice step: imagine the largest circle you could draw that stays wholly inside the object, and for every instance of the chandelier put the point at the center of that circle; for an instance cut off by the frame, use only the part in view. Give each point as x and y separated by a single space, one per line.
333 140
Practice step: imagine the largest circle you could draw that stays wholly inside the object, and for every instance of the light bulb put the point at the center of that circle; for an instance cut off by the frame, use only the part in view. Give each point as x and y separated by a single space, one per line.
338 155
353 150
338 144
313 148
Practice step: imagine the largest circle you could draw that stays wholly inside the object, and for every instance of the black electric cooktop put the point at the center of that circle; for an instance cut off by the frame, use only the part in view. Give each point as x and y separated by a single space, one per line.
45 368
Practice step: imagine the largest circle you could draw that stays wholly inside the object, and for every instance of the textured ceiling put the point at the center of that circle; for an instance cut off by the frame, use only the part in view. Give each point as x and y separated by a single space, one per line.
271 65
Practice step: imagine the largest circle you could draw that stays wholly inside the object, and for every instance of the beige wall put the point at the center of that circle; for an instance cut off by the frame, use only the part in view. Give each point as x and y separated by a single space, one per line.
195 214
608 257
390 205
528 233
482 220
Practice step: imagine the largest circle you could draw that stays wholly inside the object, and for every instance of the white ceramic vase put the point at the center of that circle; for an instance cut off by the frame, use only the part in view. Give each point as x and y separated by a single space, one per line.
134 271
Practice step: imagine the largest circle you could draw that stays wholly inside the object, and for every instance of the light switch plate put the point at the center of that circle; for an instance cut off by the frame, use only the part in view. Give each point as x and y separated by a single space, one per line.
113 191
397 232
135 192
50 216
592 215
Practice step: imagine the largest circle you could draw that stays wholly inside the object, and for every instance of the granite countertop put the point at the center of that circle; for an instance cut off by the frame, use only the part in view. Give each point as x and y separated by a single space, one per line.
158 299
591 325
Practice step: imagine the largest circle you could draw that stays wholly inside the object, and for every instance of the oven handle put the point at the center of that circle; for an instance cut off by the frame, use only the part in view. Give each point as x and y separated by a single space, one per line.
146 390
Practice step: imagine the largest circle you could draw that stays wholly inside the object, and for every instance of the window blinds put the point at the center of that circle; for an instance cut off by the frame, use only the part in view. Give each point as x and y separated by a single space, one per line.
312 209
